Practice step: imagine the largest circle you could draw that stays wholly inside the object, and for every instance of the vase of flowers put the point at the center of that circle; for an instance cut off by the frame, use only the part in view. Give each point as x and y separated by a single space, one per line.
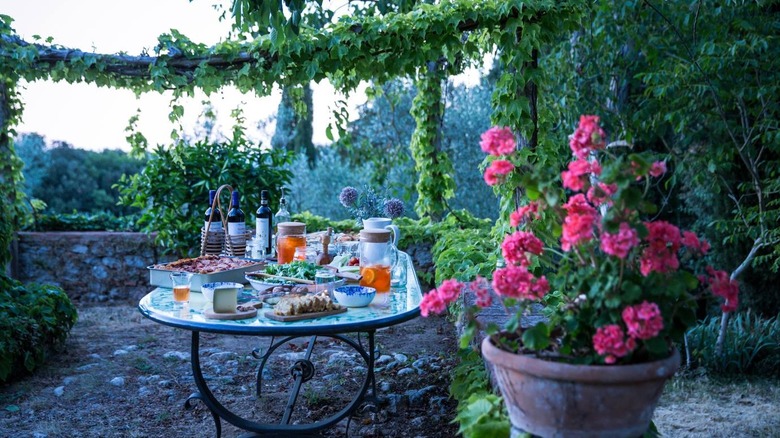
367 203
617 287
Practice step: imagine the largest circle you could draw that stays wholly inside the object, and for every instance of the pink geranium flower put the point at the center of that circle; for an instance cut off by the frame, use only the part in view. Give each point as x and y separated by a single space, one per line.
644 321
578 175
517 282
621 243
481 291
436 300
600 194
609 341
524 213
516 245
660 255
587 137
692 242
658 168
579 222
497 171
723 286
498 141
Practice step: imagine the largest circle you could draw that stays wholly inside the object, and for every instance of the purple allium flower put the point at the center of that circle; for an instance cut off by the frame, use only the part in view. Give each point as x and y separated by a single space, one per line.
348 196
394 208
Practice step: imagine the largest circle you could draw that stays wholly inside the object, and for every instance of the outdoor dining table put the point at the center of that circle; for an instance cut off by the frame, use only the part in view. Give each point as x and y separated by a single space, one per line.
349 327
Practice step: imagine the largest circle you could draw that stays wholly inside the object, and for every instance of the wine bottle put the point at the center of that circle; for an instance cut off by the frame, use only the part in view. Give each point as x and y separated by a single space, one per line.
263 222
236 224
215 215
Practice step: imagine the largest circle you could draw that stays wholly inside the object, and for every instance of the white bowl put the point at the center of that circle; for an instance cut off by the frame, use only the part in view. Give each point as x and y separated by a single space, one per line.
208 288
260 285
354 296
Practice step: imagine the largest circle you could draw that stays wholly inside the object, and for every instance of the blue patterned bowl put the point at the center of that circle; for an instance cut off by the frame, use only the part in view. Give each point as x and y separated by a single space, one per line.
354 296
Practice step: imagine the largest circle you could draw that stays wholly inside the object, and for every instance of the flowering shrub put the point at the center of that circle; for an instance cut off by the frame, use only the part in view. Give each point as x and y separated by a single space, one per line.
367 203
617 285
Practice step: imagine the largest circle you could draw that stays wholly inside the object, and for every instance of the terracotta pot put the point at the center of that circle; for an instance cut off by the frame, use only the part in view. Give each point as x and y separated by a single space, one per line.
553 399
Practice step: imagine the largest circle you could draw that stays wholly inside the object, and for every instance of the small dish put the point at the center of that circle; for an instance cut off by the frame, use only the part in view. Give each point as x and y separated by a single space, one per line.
208 288
354 296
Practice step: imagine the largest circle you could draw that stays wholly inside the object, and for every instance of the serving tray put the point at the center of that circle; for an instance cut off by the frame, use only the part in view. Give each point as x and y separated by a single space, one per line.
160 277
289 318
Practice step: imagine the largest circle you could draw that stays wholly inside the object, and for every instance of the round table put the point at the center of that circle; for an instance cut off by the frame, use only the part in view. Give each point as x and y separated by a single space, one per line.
401 305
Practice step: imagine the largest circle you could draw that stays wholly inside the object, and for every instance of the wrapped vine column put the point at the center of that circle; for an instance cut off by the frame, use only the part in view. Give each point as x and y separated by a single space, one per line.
435 184
10 170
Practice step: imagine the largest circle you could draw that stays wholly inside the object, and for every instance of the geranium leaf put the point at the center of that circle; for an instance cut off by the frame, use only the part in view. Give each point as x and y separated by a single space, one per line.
537 337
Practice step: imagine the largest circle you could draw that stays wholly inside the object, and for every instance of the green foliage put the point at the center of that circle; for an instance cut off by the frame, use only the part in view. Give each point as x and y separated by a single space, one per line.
172 190
752 345
380 135
481 413
326 180
69 179
294 123
319 223
435 182
33 319
103 221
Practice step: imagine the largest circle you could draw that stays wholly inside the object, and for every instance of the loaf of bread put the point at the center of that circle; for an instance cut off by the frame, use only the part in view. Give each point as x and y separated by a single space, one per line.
294 304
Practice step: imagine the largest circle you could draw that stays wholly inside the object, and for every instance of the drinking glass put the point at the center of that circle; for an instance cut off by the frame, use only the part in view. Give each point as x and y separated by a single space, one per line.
324 281
181 287
399 274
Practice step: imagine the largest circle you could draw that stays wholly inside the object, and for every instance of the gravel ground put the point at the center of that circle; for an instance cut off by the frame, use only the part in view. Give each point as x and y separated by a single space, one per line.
121 375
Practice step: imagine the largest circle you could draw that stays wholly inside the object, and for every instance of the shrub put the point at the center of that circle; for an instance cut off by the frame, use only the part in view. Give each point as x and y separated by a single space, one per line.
80 221
34 318
173 188
751 345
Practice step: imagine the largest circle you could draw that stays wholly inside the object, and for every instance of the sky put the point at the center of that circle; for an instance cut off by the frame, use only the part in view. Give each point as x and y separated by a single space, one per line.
95 118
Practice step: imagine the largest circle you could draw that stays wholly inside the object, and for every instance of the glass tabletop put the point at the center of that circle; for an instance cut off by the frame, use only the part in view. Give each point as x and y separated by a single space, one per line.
395 307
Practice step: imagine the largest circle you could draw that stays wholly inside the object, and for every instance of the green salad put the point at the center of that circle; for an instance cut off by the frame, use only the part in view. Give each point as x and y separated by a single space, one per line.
295 269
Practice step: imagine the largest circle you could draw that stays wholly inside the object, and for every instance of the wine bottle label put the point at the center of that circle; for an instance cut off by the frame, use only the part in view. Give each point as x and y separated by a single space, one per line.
262 230
236 228
215 226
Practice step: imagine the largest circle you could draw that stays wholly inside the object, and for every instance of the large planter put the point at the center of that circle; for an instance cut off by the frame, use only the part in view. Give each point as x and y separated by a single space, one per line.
552 399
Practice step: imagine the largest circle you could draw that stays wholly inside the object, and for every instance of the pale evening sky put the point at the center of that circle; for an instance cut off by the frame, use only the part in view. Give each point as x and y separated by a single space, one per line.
95 118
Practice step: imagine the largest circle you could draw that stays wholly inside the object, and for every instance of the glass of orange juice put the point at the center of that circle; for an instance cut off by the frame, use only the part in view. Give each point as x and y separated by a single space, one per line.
181 287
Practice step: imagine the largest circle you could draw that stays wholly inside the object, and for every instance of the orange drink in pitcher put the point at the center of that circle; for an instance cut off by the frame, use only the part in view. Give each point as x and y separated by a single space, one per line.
376 276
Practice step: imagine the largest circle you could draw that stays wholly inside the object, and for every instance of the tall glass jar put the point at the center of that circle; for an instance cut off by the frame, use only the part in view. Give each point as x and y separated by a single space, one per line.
377 258
289 236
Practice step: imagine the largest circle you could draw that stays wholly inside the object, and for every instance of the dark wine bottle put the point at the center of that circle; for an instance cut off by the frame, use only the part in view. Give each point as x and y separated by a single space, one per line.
264 222
215 216
236 224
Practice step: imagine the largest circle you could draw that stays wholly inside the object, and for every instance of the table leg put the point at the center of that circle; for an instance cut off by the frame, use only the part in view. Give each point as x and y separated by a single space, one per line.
205 395
302 370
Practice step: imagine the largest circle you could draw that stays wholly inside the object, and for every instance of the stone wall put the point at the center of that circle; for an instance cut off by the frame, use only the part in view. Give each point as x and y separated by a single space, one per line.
108 267
92 267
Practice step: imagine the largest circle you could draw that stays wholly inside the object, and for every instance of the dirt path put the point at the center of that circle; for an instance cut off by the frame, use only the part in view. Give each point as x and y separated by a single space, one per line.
122 375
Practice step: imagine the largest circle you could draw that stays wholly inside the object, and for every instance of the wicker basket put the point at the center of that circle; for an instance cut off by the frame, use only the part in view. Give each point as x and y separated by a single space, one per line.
220 242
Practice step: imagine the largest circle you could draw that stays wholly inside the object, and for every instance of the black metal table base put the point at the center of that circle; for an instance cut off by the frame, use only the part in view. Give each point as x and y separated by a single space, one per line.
302 371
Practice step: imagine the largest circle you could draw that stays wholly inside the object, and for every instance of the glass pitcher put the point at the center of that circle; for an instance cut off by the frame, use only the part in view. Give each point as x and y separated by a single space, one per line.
378 257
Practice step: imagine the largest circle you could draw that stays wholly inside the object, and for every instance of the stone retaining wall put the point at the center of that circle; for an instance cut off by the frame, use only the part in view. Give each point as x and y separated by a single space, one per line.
97 267
109 267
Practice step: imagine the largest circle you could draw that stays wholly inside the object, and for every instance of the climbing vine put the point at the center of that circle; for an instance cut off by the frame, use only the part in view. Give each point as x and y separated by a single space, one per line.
435 184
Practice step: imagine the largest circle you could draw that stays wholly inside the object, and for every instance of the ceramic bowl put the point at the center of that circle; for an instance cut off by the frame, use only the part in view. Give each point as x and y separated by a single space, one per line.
354 296
259 284
208 288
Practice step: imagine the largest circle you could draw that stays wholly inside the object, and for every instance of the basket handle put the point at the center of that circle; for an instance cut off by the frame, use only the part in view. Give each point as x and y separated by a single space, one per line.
218 205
